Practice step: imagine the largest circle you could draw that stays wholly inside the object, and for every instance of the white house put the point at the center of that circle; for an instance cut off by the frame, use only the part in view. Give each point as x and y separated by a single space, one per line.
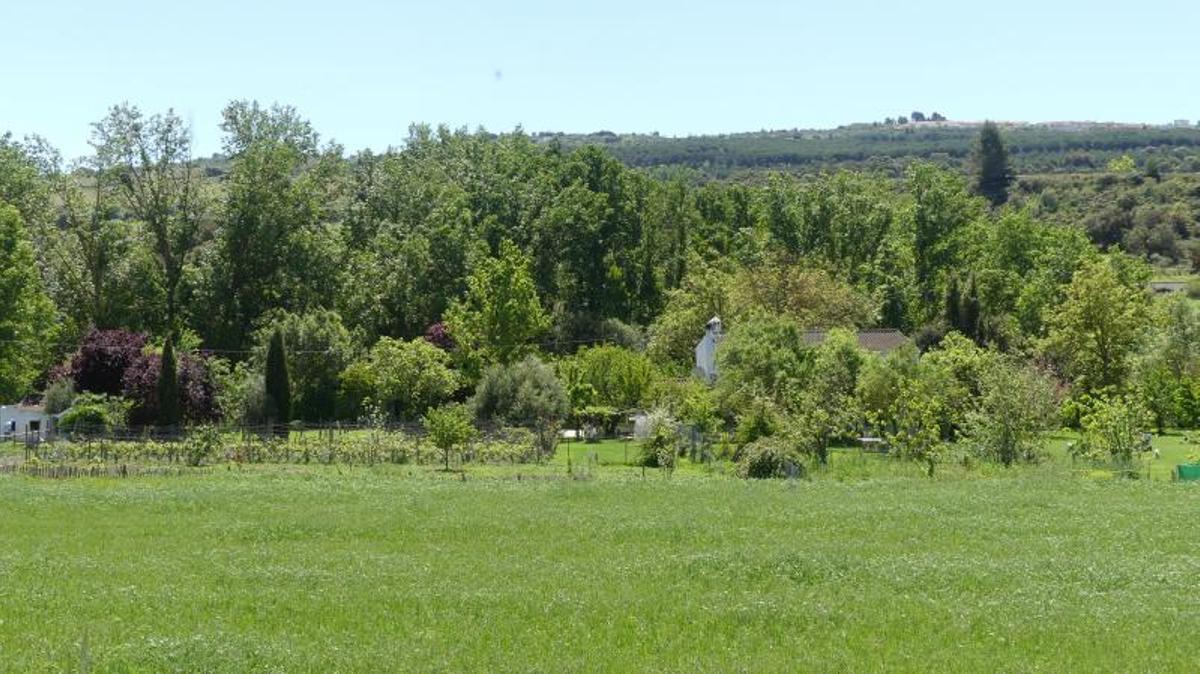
24 421
706 350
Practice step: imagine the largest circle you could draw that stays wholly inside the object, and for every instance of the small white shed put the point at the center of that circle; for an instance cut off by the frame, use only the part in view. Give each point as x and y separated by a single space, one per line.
24 421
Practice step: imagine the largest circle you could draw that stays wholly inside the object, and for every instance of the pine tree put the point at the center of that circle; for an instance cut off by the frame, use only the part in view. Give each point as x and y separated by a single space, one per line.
971 311
277 387
168 388
953 305
994 173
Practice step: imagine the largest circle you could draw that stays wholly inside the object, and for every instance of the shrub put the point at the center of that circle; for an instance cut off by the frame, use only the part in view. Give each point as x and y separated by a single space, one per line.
1114 429
597 419
202 444
661 445
761 420
438 335
611 376
1015 406
94 413
59 395
238 391
916 413
623 334
406 378
449 427
770 457
880 381
929 336
765 356
513 445
526 393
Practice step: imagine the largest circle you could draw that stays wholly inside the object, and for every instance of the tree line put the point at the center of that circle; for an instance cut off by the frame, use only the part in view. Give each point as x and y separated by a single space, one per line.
542 285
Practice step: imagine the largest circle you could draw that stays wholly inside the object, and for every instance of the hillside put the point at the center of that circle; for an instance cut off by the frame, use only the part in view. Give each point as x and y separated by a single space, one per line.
1056 147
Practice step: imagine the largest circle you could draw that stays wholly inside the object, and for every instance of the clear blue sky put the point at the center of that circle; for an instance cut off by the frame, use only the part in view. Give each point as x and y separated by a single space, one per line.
363 70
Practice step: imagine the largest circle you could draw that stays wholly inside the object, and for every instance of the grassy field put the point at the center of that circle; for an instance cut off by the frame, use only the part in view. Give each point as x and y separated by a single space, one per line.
868 566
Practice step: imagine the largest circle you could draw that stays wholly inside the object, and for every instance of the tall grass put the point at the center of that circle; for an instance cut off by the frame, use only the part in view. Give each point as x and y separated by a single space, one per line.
399 568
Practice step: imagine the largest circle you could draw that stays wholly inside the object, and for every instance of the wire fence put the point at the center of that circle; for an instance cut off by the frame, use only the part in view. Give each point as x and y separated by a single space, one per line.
298 443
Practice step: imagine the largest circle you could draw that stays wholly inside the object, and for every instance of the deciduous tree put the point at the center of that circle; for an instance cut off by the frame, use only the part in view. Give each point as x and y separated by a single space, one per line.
404 378
1097 328
501 317
27 317
149 161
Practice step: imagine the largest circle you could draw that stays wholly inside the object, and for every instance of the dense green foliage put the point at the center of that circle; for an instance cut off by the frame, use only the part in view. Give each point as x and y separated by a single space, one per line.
401 378
524 393
607 376
319 349
552 284
26 313
94 414
1155 218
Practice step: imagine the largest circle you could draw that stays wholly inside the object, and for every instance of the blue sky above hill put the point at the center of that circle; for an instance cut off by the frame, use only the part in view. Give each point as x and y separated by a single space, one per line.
362 71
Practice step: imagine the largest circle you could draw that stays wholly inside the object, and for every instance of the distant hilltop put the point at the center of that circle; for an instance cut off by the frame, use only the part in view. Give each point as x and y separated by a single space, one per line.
1061 125
1065 146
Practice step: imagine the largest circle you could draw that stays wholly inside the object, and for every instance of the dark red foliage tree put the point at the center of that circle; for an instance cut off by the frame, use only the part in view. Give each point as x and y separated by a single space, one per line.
439 335
103 357
197 390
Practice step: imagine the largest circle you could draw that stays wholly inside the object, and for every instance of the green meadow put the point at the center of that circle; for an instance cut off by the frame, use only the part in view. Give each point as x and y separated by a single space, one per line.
863 566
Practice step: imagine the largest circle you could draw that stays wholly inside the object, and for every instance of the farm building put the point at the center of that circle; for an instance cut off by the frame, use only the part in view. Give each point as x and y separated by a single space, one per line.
24 421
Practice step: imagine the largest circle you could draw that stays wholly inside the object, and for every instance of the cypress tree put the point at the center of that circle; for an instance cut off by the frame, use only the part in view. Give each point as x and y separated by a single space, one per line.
168 387
994 173
970 314
953 305
277 387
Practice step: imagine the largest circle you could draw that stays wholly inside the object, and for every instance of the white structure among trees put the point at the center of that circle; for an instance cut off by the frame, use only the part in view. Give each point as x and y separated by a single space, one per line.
24 421
706 350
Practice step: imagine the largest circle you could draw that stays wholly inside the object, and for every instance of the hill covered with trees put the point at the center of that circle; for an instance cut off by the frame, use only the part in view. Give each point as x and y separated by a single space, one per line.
1036 148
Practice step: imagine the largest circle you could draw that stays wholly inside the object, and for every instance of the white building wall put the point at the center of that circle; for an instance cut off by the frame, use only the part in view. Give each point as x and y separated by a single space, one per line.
14 419
706 350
